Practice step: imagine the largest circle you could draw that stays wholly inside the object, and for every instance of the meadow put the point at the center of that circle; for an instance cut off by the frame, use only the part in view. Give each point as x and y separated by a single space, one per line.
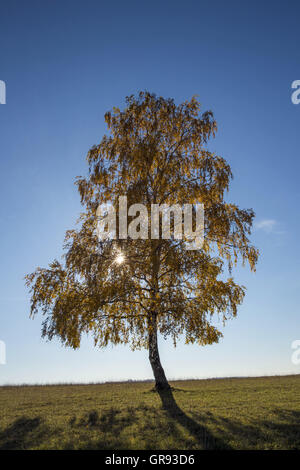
236 413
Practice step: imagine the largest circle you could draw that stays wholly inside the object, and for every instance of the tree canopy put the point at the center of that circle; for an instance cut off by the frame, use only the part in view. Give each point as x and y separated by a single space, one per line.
156 153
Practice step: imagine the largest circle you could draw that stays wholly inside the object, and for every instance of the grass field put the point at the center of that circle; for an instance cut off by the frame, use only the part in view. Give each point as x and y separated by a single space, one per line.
248 413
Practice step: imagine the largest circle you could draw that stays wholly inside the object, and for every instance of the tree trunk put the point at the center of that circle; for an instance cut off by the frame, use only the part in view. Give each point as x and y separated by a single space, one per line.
161 382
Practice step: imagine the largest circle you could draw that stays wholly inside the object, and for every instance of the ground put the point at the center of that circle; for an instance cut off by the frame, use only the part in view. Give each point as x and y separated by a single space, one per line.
238 413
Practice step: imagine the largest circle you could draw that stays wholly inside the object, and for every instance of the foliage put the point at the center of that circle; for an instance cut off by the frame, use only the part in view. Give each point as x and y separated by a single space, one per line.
156 153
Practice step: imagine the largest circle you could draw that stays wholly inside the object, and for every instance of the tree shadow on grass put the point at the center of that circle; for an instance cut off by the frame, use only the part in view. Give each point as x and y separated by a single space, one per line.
109 425
24 433
203 437
146 427
281 430
110 421
142 426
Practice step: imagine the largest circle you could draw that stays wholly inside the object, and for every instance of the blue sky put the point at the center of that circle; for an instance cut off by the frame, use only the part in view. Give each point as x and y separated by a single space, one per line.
65 63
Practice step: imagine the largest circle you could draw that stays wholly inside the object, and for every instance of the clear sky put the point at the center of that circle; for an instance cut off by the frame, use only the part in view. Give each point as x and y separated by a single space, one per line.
65 63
